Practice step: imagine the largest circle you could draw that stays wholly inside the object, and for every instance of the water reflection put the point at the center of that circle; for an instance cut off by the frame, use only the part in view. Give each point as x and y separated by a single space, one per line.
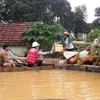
49 84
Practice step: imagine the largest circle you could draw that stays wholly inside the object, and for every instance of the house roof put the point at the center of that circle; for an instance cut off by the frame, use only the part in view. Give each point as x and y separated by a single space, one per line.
11 33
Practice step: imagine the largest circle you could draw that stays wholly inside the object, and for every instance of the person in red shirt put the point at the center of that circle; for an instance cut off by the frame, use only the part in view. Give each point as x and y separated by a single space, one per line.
34 52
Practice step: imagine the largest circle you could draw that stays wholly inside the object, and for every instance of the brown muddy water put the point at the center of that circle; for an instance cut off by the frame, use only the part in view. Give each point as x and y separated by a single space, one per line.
49 84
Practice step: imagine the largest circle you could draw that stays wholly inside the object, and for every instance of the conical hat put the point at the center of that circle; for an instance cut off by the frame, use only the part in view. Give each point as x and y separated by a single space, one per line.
66 33
69 54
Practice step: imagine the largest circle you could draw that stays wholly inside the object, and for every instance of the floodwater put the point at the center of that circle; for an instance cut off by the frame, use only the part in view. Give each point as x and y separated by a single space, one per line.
49 84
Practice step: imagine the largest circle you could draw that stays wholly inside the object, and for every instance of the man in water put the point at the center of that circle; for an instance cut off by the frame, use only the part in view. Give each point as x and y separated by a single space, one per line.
4 60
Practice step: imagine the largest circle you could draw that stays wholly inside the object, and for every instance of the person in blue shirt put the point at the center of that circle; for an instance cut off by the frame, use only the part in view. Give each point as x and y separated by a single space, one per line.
67 41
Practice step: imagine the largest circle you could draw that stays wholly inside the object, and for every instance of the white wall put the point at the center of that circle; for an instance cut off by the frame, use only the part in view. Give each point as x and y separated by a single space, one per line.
84 36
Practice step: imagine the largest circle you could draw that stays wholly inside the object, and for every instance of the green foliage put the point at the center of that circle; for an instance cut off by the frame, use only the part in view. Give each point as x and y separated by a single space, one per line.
78 61
97 11
96 23
96 52
93 34
79 23
45 34
47 11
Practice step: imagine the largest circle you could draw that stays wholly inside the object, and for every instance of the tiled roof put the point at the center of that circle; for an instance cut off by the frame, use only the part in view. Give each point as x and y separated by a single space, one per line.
11 33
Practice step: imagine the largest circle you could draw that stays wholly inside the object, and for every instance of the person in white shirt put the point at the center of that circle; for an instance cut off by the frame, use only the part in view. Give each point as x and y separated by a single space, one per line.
67 41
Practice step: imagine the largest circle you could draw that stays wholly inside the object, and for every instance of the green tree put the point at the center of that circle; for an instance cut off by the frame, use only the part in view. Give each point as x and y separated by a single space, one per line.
96 22
79 23
6 10
1 9
45 34
47 11
20 11
97 12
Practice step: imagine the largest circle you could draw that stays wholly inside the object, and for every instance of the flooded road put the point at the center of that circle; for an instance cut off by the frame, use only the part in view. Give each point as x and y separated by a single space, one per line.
49 84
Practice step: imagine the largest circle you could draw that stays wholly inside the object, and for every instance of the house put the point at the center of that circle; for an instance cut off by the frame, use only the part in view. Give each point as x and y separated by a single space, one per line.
11 33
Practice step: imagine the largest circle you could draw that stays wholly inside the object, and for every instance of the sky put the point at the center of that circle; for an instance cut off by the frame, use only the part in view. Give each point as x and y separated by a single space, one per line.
90 4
